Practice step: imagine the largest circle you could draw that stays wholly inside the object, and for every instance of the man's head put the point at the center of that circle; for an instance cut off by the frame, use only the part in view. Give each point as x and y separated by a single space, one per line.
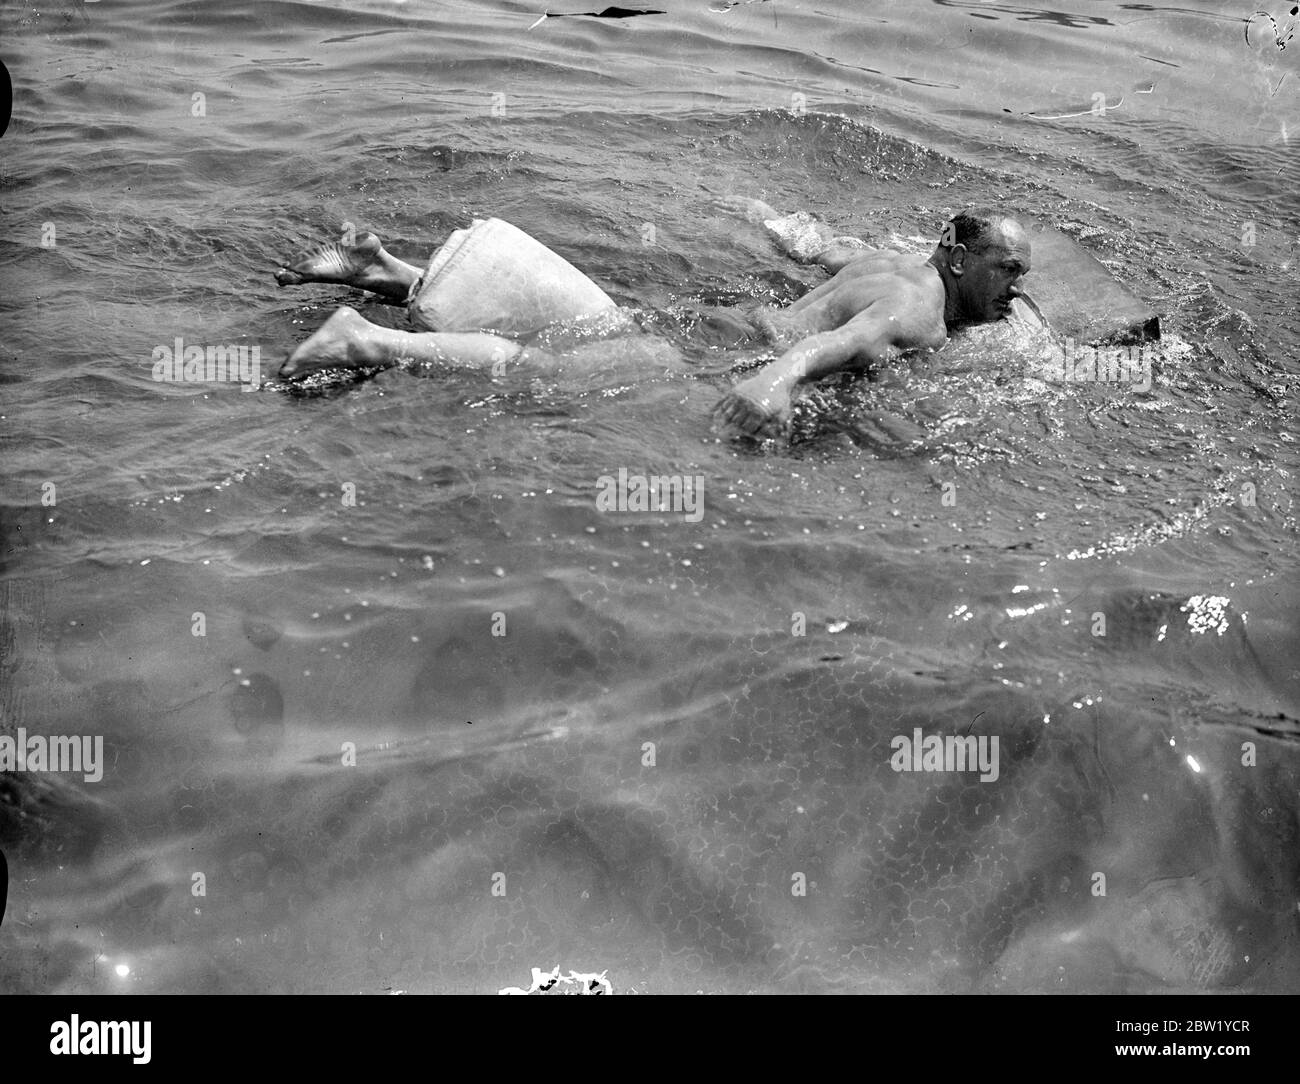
981 256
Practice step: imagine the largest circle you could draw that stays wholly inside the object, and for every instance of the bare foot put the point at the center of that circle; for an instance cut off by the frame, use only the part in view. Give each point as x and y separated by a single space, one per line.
756 407
353 260
339 343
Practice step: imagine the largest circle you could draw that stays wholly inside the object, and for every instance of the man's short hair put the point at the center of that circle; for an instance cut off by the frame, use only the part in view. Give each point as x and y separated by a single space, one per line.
973 228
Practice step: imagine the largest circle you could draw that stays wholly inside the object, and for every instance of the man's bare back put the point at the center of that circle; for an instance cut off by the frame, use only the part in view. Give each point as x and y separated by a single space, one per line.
873 276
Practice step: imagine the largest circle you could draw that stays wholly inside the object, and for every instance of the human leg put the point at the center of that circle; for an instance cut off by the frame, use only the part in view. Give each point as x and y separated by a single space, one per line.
349 341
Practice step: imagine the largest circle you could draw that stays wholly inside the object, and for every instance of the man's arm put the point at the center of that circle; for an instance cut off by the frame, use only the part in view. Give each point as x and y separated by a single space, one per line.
760 405
807 240
799 235
842 251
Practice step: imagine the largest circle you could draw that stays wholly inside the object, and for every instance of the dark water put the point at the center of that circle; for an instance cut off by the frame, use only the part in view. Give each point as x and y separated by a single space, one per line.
503 811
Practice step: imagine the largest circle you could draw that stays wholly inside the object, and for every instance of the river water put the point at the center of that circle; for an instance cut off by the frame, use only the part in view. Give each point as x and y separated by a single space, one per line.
446 720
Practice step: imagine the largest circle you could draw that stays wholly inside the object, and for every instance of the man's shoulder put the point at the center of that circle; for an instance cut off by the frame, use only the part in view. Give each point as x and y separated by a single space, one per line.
916 270
904 283
904 318
887 270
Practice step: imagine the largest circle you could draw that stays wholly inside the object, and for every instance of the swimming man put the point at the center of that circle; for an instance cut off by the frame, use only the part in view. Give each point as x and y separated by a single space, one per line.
877 304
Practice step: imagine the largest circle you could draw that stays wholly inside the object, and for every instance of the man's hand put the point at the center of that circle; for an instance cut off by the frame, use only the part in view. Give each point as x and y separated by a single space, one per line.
755 211
757 407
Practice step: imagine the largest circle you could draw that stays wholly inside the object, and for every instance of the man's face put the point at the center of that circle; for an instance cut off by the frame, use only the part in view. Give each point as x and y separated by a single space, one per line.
990 280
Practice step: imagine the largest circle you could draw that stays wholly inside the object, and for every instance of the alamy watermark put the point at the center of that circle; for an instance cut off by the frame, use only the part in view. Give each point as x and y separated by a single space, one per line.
53 753
682 493
212 364
1101 365
113 1037
936 753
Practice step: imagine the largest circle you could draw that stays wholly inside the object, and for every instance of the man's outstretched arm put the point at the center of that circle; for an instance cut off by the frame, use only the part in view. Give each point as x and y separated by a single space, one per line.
799 235
760 405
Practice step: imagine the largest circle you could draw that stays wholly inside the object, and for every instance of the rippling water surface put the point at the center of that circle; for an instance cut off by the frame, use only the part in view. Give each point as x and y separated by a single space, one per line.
652 773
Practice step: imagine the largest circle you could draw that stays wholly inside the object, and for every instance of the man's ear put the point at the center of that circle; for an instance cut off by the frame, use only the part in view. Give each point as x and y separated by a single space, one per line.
957 258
